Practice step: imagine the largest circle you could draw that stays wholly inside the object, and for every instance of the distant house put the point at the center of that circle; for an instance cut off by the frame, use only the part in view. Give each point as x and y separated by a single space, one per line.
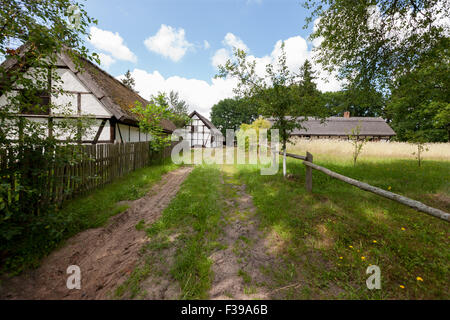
340 127
202 133
95 94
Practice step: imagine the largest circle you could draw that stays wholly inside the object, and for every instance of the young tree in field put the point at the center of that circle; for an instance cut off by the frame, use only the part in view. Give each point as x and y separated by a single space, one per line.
419 141
357 143
276 92
231 113
128 80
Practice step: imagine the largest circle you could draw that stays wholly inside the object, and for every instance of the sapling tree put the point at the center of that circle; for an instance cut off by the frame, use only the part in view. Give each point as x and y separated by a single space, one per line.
418 139
150 117
357 142
276 92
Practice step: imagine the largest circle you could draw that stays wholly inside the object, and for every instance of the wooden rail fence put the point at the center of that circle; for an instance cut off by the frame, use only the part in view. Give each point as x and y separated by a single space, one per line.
63 172
419 206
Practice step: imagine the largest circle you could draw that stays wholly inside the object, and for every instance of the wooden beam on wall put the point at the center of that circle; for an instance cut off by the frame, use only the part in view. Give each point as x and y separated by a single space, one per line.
99 132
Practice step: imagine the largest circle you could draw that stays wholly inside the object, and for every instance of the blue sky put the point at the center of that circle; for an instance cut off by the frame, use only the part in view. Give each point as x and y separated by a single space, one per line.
176 45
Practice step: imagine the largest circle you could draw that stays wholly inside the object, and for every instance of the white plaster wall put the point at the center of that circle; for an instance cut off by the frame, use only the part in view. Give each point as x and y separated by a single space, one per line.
92 132
134 134
69 82
124 131
66 103
91 106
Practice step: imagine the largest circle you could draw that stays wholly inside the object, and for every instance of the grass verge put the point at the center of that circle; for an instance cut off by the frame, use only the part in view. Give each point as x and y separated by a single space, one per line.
84 212
330 237
183 238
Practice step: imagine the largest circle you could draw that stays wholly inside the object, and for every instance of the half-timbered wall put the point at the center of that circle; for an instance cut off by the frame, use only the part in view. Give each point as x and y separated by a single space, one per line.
78 101
199 135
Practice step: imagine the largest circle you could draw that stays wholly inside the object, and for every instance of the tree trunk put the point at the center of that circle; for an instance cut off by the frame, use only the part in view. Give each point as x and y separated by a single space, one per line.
284 162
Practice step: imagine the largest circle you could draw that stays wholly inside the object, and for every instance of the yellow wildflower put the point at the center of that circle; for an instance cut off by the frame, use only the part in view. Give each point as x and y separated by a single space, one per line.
402 286
403 229
351 247
419 279
389 188
374 241
363 258
341 258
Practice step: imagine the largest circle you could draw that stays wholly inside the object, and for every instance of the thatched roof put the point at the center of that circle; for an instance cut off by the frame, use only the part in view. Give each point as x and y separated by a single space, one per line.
116 97
341 126
112 93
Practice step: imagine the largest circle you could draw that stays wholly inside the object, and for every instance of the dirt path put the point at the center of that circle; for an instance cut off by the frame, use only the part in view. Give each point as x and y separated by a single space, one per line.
238 268
106 256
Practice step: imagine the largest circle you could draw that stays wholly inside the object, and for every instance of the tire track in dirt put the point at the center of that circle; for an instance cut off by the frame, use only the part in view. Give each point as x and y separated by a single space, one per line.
106 256
237 268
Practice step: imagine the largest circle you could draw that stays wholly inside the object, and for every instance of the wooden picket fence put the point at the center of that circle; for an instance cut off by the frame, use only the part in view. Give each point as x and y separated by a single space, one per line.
63 172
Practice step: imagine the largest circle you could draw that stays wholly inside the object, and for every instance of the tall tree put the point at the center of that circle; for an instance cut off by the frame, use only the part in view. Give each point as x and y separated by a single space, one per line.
310 98
231 113
371 43
276 93
360 103
128 80
179 108
420 101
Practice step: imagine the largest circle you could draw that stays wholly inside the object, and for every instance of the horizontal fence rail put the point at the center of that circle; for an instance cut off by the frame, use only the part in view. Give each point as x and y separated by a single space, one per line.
417 205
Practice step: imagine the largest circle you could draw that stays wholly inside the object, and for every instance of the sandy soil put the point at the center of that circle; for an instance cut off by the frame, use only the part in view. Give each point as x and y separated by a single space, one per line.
106 256
238 268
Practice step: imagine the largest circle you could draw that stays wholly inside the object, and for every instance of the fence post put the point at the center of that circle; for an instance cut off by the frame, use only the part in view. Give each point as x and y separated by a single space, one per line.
308 178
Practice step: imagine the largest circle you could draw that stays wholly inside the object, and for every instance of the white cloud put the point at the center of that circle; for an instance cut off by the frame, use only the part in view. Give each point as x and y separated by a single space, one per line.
297 52
202 95
234 42
111 43
220 57
169 42
106 60
199 94
206 45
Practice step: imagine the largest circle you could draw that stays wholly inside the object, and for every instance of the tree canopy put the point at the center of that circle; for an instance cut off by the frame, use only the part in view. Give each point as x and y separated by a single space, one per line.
231 113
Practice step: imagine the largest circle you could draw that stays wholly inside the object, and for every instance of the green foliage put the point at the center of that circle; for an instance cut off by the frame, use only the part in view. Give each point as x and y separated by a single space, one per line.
278 93
420 100
31 33
150 117
179 108
370 43
231 113
359 102
256 125
31 237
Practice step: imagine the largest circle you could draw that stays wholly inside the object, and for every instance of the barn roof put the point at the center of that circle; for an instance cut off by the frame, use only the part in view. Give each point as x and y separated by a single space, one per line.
341 126
208 123
112 93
